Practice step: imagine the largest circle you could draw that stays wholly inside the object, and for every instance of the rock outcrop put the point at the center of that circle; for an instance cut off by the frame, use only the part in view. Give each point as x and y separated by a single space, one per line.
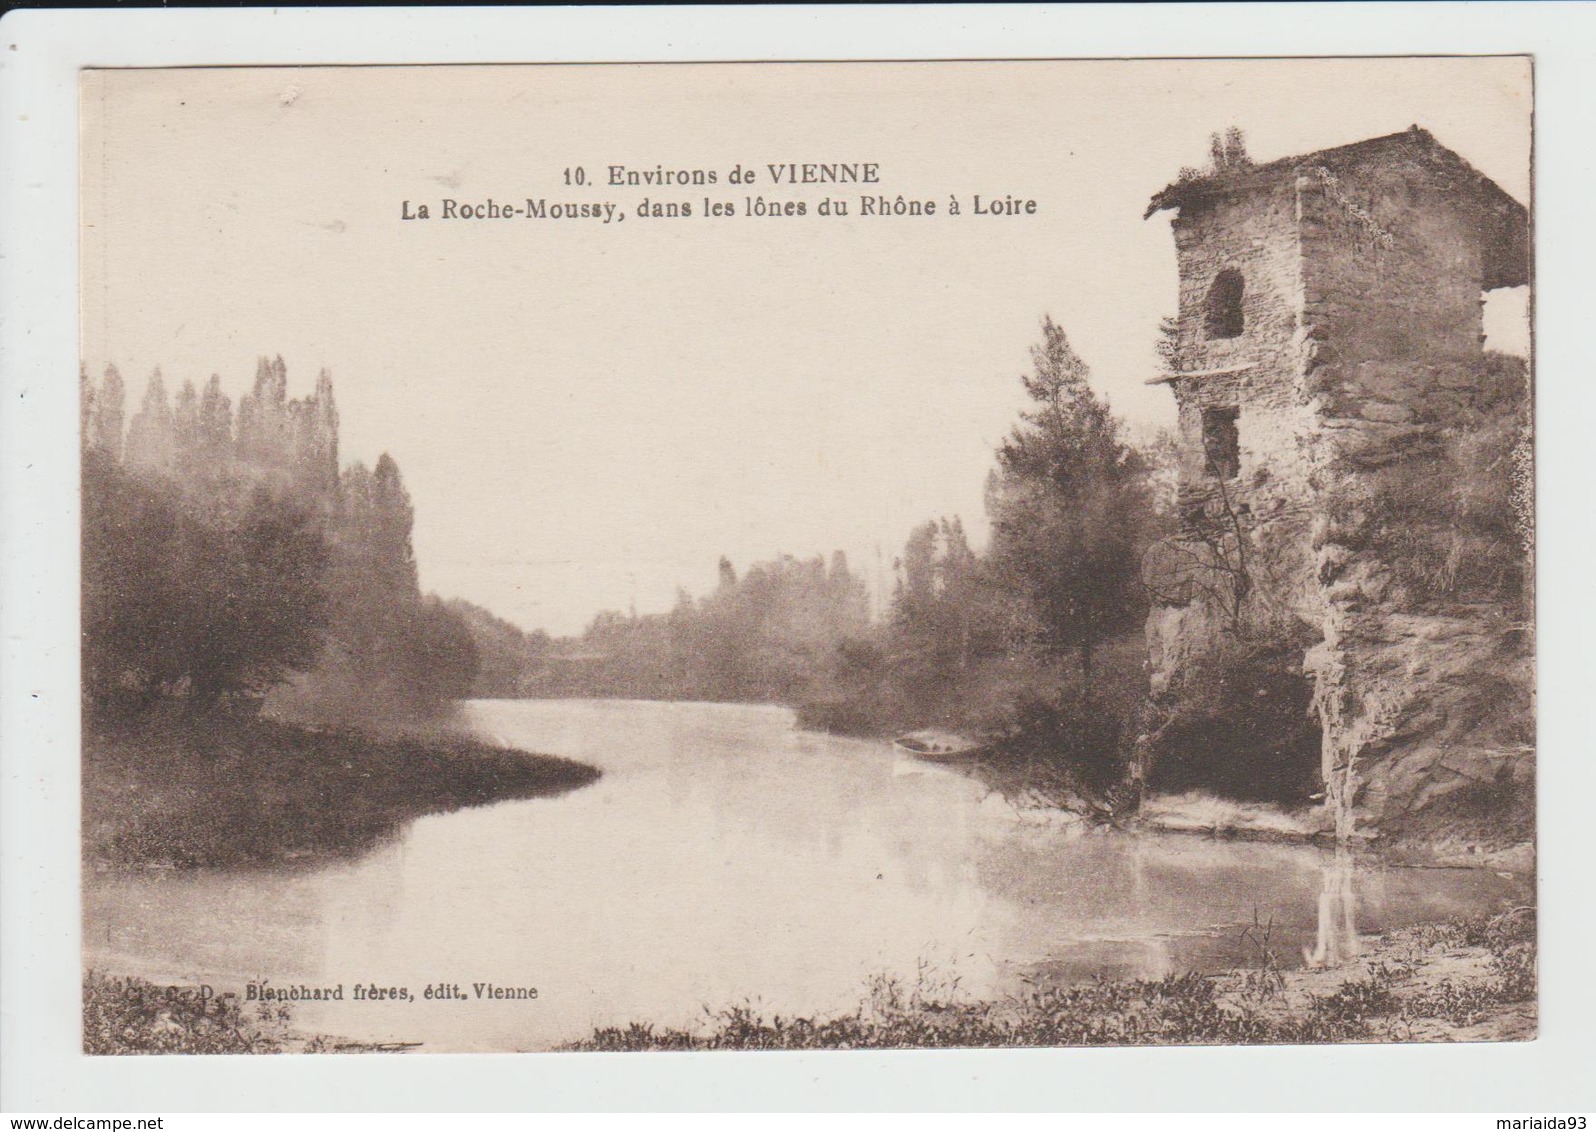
1354 463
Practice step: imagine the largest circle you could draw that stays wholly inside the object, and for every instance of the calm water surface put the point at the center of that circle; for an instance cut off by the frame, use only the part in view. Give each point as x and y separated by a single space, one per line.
728 857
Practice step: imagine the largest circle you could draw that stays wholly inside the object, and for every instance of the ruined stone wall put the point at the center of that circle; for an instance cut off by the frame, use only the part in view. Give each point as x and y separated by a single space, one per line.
1392 305
1360 361
1422 701
1255 235
1258 373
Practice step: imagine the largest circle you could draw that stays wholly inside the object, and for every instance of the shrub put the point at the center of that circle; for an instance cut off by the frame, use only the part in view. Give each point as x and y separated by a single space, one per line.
1238 720
1065 744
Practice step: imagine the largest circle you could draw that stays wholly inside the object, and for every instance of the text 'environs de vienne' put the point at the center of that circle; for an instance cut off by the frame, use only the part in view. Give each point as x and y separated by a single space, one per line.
780 173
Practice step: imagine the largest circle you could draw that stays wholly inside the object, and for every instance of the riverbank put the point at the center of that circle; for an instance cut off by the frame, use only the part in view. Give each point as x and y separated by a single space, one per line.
130 1015
1460 980
1205 815
176 787
1457 981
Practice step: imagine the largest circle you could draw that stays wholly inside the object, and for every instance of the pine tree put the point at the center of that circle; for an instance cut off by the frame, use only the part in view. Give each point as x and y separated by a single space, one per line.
1068 509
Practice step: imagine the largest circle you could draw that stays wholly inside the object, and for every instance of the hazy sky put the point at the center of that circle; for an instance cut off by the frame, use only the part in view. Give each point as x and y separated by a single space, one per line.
586 413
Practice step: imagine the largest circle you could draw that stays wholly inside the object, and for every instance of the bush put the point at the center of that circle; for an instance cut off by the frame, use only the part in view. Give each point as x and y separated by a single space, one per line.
1239 720
1065 744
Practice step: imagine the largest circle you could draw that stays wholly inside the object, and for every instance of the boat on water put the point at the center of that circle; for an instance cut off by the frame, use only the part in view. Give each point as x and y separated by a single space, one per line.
938 746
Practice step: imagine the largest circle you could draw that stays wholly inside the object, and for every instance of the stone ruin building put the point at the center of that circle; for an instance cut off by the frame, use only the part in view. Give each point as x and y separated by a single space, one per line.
1329 330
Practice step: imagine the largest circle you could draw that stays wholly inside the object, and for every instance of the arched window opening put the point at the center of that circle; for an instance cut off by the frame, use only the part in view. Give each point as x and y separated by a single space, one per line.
1224 317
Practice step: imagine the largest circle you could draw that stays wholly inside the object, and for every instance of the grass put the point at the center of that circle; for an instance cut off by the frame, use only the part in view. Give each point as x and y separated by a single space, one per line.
178 788
129 1015
1460 980
1457 980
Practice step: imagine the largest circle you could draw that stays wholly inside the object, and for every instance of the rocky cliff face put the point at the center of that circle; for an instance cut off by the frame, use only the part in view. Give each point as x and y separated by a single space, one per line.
1379 492
1428 726
1414 574
1424 680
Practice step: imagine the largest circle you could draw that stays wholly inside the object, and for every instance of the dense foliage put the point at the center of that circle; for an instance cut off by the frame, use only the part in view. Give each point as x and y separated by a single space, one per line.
228 560
508 657
1070 508
178 599
763 636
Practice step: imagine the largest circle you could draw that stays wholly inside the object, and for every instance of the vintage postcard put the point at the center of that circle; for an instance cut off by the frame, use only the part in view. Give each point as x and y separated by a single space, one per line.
807 555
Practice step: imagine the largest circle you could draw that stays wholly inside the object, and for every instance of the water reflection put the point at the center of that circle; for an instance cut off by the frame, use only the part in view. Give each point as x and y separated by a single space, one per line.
726 856
1337 942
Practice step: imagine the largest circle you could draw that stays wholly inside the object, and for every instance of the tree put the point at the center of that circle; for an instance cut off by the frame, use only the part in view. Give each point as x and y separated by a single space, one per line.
186 431
1069 509
915 593
105 424
215 423
262 610
509 660
940 607
391 651
391 518
1226 151
215 567
149 433
173 596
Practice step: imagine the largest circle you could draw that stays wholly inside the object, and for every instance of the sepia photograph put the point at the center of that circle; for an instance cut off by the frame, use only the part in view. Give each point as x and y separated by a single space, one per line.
807 556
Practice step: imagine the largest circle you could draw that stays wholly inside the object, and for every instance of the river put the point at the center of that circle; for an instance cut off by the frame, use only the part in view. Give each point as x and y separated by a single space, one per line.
726 857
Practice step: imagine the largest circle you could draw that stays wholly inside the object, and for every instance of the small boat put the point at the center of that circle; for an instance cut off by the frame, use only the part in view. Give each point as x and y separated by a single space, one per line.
938 746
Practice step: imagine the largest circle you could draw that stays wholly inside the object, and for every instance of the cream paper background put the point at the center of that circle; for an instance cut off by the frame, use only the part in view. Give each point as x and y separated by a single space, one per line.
587 415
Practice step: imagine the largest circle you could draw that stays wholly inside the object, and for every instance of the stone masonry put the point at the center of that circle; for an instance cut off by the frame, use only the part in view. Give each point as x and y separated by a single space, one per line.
1330 326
